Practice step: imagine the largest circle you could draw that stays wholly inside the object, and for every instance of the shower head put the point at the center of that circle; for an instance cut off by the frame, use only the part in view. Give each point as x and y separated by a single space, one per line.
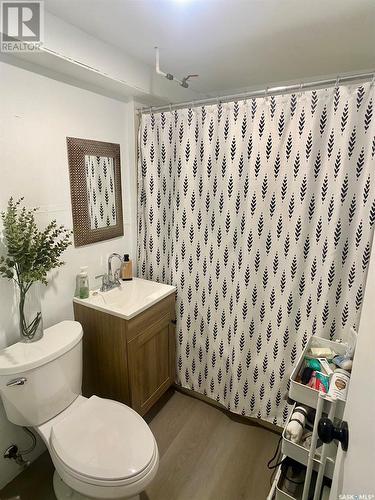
184 80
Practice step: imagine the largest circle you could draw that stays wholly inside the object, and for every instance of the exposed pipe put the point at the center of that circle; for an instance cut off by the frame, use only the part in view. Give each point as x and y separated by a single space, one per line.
287 89
14 453
169 76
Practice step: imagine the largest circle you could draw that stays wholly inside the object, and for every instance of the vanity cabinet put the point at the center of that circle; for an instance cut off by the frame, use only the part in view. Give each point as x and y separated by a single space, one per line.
129 360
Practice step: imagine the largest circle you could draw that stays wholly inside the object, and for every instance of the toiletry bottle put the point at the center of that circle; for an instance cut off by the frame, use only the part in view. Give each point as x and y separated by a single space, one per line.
83 283
339 384
126 269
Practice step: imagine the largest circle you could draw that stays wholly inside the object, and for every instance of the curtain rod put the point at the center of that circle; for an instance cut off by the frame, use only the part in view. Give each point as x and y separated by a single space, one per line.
263 92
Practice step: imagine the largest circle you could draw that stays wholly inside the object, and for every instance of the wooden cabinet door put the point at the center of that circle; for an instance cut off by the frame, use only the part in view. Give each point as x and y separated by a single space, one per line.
151 364
105 368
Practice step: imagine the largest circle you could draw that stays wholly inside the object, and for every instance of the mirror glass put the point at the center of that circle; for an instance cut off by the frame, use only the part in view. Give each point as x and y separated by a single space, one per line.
101 196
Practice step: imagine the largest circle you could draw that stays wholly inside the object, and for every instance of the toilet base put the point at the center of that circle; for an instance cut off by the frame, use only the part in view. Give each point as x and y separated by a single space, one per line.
65 492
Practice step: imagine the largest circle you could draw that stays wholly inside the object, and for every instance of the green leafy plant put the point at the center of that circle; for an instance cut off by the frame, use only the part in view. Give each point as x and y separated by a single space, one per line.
31 254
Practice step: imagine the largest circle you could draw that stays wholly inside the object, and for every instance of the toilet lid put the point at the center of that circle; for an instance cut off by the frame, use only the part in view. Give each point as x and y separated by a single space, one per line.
103 439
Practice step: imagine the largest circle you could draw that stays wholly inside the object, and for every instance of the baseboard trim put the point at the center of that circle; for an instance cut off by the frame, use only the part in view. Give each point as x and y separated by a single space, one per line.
239 418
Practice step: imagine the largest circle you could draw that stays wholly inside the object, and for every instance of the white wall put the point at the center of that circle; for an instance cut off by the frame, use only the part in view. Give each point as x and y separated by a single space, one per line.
36 116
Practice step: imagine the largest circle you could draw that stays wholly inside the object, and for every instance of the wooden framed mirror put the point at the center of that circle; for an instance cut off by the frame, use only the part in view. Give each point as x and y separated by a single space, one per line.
95 187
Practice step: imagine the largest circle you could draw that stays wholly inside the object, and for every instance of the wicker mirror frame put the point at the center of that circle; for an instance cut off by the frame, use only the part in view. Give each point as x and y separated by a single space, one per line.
82 231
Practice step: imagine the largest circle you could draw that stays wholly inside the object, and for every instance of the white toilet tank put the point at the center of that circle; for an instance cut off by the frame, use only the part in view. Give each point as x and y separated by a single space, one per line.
39 380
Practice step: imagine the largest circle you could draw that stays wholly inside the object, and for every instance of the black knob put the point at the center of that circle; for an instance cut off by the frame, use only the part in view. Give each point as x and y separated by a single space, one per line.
327 432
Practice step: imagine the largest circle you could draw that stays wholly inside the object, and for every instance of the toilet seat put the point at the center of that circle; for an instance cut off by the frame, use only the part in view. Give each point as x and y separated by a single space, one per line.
70 475
103 442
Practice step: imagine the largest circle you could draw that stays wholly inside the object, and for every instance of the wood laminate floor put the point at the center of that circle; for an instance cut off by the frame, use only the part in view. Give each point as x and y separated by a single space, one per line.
205 454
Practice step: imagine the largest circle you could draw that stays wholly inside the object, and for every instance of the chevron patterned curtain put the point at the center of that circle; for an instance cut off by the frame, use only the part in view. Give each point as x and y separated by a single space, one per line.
261 212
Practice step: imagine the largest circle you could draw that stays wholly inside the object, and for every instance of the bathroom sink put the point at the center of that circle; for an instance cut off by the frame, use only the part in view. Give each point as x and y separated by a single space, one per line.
130 299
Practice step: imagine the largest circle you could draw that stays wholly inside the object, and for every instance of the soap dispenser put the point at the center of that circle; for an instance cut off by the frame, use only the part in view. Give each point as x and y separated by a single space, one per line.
127 269
82 284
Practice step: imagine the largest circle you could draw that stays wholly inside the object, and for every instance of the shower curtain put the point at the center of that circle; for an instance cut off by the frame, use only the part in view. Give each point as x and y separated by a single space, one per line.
261 213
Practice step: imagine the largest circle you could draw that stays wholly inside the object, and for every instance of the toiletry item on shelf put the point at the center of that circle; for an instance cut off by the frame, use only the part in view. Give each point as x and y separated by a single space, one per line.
306 375
343 362
127 269
322 352
306 440
294 476
313 363
325 366
319 381
296 424
307 432
339 384
306 443
82 284
349 339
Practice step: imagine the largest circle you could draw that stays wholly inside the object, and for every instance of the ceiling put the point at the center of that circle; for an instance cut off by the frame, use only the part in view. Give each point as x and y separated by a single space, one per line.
234 44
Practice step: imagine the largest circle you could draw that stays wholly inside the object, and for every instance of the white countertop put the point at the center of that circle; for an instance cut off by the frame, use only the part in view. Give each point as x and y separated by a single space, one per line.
130 299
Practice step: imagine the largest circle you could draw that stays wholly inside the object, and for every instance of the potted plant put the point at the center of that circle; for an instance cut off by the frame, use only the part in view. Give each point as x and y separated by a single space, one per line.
31 254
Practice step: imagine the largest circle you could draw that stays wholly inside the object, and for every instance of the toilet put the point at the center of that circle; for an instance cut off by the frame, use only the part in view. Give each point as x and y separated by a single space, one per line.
100 448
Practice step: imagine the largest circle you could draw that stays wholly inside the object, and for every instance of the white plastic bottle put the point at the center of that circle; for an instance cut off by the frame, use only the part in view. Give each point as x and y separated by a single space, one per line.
339 384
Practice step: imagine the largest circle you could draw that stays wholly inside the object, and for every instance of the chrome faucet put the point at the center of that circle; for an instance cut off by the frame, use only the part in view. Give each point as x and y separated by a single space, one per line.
110 280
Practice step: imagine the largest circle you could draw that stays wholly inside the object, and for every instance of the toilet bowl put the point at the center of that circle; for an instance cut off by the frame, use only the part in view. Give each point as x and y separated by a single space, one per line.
100 448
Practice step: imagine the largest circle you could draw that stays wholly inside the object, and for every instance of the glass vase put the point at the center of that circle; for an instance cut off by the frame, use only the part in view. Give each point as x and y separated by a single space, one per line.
30 313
